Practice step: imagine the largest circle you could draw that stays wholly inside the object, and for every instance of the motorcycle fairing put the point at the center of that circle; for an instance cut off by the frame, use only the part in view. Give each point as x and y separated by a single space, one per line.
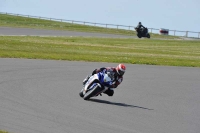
101 77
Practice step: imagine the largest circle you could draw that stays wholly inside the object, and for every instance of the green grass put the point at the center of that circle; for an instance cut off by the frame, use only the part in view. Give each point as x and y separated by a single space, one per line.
170 52
2 131
133 51
17 21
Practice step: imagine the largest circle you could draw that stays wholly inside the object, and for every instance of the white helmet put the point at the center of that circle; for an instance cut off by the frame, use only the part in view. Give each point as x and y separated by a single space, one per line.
121 68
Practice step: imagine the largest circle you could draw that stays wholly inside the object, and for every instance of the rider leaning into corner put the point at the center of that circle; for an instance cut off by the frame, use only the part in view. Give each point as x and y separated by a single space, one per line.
140 26
118 73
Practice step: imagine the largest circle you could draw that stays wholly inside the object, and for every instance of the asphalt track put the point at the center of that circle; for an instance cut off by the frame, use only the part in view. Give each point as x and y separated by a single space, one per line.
42 96
39 32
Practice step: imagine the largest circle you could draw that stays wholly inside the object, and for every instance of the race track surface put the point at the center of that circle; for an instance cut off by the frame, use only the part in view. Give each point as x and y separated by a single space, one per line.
40 32
41 96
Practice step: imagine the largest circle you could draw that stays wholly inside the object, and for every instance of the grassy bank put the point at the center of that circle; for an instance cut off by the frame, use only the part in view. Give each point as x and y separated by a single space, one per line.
2 131
17 21
134 51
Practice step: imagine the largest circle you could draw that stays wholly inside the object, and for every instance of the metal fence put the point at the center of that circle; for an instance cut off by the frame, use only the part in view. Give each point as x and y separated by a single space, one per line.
115 26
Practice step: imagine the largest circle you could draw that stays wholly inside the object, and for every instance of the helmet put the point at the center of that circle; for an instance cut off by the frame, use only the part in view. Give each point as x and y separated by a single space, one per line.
121 68
139 23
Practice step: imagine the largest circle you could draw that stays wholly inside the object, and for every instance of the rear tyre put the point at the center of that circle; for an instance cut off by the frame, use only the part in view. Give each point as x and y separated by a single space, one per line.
92 92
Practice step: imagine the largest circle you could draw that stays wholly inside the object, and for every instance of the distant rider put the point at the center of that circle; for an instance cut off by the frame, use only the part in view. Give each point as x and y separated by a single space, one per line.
139 27
118 73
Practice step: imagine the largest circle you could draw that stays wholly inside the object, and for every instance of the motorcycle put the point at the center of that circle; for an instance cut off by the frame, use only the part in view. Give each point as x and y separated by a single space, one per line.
96 84
142 32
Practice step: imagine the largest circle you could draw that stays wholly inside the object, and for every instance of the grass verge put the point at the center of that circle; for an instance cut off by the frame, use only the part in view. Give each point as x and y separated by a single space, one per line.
134 51
17 21
2 131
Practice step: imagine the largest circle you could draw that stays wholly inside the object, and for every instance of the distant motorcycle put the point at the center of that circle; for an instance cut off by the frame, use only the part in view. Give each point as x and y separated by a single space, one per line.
96 84
142 32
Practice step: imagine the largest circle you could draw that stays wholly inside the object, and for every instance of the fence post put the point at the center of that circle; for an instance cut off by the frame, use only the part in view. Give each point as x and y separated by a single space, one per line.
186 34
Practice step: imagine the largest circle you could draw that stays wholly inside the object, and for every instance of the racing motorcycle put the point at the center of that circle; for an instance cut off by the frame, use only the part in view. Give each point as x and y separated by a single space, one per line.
96 84
143 32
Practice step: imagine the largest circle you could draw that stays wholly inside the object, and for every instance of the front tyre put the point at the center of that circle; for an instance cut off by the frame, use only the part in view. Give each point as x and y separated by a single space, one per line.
81 93
92 92
148 35
139 35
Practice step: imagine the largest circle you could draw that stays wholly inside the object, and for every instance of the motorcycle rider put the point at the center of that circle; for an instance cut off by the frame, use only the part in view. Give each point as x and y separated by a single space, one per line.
139 27
118 73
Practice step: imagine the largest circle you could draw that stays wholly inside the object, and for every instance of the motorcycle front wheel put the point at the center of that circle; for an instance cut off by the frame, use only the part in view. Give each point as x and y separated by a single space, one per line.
81 93
139 35
148 35
92 92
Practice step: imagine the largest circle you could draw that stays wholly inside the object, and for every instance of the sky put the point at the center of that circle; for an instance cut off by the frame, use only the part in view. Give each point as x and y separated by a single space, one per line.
183 15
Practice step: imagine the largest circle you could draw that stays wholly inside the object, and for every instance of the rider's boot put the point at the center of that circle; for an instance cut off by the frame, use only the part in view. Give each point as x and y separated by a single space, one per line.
86 79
